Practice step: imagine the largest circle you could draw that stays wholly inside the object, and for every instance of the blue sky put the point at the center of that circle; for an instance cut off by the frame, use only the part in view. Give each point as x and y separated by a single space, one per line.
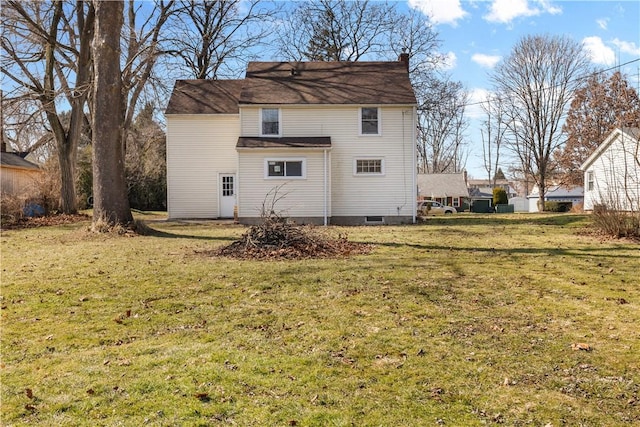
477 34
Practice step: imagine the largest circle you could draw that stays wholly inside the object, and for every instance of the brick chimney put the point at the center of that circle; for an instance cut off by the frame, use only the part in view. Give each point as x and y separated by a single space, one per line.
404 57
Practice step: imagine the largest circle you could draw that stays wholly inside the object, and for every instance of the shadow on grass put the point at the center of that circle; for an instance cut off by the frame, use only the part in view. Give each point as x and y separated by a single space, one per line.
149 231
510 219
579 252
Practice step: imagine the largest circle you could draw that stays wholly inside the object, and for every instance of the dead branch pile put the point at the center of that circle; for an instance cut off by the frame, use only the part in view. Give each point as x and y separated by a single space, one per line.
276 238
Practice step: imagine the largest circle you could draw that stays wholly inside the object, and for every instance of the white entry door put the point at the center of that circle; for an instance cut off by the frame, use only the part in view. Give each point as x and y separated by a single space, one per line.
227 195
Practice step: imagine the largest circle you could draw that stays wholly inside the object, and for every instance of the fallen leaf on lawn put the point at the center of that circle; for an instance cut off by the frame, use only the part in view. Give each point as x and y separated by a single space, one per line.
91 392
29 393
581 346
203 397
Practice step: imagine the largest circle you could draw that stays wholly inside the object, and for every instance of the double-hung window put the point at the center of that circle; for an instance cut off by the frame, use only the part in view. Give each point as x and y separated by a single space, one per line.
285 168
270 122
369 121
590 181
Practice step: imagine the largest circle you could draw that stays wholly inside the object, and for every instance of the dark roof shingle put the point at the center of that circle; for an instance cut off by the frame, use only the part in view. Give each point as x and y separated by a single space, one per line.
286 142
327 83
278 83
205 97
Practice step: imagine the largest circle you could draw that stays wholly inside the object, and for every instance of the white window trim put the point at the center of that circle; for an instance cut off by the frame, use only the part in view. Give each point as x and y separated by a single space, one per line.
279 134
285 159
360 122
355 166
590 181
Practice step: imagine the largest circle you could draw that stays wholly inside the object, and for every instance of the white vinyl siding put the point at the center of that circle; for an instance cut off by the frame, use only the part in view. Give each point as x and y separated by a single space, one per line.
616 176
298 197
351 195
200 148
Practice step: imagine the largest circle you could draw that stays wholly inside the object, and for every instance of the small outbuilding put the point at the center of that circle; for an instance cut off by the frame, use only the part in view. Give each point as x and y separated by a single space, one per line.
19 176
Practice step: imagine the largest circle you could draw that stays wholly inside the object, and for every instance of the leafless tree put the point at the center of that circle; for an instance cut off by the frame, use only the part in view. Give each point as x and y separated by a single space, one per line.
337 30
538 79
441 127
492 133
214 38
47 58
111 205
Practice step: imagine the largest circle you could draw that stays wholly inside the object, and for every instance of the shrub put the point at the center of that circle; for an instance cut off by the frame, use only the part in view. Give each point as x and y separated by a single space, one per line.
616 223
500 196
557 206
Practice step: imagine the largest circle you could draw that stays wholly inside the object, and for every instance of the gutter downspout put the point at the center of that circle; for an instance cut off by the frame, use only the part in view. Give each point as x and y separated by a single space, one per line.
325 212
414 184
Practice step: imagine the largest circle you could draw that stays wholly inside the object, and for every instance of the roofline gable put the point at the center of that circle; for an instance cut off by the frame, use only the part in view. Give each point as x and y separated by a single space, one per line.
606 144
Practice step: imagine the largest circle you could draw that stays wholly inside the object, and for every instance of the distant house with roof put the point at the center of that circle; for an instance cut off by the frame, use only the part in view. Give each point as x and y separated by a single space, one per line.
19 176
447 188
567 197
485 186
612 172
335 139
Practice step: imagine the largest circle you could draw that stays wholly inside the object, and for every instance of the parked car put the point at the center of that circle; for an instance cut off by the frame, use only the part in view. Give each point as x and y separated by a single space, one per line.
431 207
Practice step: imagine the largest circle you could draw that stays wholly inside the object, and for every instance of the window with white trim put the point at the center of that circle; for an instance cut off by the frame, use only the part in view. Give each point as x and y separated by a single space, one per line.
285 168
269 122
369 121
590 181
368 166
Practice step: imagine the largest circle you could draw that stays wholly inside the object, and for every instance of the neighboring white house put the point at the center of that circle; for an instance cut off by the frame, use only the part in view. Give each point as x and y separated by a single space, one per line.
612 172
335 139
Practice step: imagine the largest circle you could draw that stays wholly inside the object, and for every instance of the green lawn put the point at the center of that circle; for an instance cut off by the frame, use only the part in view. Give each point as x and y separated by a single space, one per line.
459 321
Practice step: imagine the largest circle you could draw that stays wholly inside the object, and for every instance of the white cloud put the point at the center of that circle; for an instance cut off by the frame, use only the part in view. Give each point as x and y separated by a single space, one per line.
627 47
603 23
440 11
450 61
486 61
600 53
505 11
477 96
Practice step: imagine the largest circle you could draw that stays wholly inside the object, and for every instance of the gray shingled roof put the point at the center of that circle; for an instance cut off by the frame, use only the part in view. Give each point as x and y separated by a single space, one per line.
442 184
287 142
11 159
277 83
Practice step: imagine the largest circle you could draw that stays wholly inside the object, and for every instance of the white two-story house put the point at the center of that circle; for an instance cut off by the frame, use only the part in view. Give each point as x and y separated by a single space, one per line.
336 140
612 172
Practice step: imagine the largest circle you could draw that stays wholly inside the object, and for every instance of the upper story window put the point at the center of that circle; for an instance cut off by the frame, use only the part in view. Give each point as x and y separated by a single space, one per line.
270 122
590 181
370 121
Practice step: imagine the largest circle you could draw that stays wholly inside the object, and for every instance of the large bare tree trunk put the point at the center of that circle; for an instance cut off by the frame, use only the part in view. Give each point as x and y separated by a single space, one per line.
111 204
